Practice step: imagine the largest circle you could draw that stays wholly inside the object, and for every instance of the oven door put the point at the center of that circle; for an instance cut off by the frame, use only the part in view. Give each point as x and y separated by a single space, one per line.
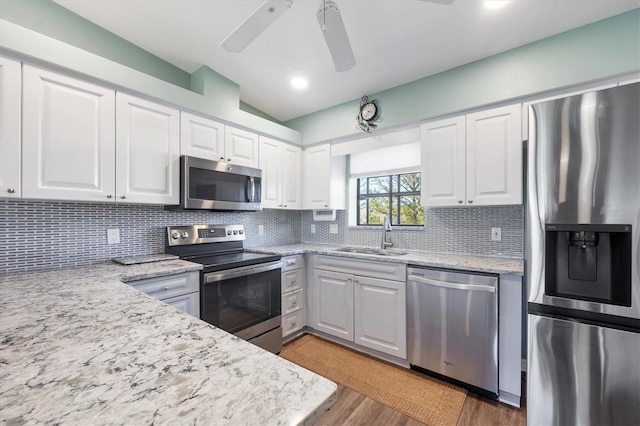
244 301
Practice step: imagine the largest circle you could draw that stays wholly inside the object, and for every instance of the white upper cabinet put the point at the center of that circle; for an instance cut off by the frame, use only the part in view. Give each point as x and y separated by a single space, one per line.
241 147
494 157
281 174
324 179
205 138
443 162
148 151
68 138
473 160
201 137
10 127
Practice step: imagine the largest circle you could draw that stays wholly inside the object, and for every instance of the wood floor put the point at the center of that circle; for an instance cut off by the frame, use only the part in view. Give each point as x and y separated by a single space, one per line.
353 408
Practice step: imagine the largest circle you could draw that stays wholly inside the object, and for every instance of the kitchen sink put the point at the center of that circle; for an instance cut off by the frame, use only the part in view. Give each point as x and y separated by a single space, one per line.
375 251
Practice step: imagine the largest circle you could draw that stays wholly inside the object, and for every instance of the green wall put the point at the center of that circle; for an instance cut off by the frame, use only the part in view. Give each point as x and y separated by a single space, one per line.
604 49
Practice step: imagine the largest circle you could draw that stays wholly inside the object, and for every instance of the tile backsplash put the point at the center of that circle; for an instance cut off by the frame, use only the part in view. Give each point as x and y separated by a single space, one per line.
449 230
54 234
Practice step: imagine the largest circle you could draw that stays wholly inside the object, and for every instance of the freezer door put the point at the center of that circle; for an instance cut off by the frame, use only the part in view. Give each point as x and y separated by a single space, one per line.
582 374
452 326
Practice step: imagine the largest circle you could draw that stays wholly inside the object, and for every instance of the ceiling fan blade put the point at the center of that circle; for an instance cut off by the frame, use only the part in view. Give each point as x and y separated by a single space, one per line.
335 35
255 24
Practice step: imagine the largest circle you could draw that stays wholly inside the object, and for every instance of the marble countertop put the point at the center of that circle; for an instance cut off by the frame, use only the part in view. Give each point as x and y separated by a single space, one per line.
78 346
496 265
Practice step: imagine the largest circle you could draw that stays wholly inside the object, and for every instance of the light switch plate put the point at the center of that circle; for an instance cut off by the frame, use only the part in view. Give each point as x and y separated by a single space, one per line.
313 228
333 229
496 234
260 229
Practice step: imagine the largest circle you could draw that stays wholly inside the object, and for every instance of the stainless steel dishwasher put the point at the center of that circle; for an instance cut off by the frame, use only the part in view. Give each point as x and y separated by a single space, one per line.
452 326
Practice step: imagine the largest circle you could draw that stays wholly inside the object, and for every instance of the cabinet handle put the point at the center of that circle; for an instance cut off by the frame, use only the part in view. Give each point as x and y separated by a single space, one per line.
293 324
459 201
109 196
470 201
355 280
294 302
284 205
165 288
228 160
222 158
122 197
293 281
11 191
326 205
348 278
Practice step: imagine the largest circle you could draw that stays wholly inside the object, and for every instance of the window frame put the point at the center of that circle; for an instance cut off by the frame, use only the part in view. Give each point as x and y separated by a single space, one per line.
393 194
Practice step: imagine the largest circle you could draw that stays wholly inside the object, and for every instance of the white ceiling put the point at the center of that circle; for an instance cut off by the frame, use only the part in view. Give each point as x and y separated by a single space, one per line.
394 41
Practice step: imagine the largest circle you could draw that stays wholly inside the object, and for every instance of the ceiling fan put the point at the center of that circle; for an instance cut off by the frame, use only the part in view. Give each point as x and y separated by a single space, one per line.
329 18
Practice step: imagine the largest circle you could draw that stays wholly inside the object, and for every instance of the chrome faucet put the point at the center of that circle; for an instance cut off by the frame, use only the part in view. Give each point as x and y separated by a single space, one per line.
386 229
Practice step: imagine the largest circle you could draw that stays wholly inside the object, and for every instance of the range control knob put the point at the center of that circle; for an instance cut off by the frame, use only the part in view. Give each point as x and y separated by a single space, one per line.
241 232
235 232
184 235
175 235
229 232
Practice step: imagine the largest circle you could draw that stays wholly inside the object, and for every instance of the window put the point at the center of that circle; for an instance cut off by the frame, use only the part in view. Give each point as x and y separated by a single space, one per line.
396 195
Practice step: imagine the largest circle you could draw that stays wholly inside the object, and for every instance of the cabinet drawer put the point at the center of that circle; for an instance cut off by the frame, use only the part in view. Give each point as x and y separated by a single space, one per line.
292 280
292 302
293 322
188 303
365 268
169 286
290 263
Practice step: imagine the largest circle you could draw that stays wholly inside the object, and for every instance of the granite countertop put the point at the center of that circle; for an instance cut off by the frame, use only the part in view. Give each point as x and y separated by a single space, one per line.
78 346
497 265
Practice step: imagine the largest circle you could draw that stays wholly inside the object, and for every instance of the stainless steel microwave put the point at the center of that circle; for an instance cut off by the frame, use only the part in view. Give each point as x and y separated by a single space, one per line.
216 185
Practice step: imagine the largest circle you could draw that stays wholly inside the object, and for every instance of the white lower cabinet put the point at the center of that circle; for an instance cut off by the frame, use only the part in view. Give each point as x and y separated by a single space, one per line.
181 291
361 301
294 312
10 109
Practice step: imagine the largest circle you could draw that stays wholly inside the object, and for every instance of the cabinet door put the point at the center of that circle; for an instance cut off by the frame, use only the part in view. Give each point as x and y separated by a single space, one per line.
188 303
241 147
10 127
333 303
494 157
443 162
270 163
317 176
148 151
291 179
380 315
201 137
68 145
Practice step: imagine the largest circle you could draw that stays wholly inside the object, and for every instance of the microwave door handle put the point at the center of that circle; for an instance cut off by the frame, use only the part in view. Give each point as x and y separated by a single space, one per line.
251 190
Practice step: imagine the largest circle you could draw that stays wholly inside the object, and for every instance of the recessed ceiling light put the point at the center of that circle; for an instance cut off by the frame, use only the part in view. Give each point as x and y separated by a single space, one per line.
495 4
299 83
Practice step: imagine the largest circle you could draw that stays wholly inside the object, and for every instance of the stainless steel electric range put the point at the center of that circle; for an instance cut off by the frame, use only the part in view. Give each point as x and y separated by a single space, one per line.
239 291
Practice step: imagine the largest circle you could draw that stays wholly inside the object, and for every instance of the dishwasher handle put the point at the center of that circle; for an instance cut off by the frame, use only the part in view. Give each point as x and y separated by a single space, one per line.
457 286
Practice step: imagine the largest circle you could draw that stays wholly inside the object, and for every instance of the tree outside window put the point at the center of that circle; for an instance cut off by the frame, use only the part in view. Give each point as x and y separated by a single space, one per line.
395 195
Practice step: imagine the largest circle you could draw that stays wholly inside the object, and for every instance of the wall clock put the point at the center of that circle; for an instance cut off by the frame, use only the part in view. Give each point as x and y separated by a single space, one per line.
369 113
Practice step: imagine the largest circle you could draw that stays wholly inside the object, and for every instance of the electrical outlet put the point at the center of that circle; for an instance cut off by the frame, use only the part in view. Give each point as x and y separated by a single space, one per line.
496 234
113 236
260 229
313 228
333 229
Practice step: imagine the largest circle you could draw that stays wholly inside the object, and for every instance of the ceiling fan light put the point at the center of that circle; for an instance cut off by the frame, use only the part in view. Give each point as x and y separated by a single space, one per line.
335 35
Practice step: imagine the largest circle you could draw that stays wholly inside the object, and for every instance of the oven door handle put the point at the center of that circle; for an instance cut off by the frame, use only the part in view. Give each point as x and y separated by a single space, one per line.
240 272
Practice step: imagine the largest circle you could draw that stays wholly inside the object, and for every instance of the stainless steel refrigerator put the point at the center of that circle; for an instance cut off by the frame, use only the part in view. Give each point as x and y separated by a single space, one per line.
582 259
